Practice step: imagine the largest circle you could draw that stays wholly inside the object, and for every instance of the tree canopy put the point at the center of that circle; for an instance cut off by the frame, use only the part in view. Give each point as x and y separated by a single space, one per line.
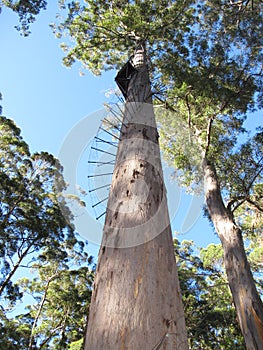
38 239
205 59
34 215
217 42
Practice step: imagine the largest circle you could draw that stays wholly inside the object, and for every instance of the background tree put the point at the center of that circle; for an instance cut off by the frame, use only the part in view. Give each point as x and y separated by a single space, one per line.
209 310
210 59
32 210
37 236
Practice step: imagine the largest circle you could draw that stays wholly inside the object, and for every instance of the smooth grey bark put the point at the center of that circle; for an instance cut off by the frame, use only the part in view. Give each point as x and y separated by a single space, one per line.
247 301
136 302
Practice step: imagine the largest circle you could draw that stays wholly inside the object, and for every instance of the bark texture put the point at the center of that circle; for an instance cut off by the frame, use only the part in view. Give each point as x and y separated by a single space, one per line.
136 302
247 301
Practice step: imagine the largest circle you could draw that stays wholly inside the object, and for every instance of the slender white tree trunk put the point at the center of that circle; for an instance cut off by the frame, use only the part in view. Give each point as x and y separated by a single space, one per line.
136 302
247 302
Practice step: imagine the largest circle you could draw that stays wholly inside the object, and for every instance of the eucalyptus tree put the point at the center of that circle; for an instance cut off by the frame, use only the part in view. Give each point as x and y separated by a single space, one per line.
136 298
209 55
32 210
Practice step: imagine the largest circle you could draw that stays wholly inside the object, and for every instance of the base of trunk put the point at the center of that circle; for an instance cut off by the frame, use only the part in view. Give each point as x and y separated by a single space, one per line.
136 300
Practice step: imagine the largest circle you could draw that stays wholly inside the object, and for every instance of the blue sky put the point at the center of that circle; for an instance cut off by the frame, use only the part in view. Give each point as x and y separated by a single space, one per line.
47 101
42 96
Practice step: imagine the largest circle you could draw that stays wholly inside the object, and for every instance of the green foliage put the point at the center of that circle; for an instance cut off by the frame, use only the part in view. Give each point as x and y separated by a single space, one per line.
210 314
14 333
207 47
36 233
210 68
76 345
212 256
209 311
27 11
57 316
104 33
180 148
60 308
33 214
211 95
240 171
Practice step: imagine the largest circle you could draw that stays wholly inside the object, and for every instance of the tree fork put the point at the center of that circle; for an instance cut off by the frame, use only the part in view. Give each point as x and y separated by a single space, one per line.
247 301
136 302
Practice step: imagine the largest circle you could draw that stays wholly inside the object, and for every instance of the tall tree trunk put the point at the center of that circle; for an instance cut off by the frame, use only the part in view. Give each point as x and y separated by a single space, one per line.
247 301
136 302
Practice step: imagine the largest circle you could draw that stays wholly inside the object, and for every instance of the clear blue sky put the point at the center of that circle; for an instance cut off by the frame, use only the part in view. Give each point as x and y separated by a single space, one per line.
47 101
